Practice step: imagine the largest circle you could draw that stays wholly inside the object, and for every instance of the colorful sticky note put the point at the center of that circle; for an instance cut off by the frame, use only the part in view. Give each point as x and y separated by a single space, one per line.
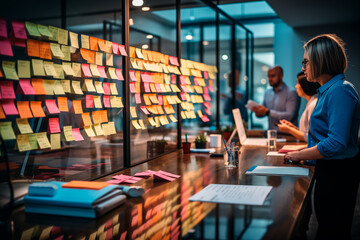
77 107
56 51
89 131
6 131
9 70
58 89
94 70
51 106
102 71
45 51
109 59
98 87
9 107
133 112
74 42
77 135
86 119
76 87
3 29
122 50
66 85
113 89
106 100
54 126
68 69
66 52
37 109
68 133
37 67
88 55
98 129
143 108
85 41
38 86
32 29
7 90
111 73
106 88
33 48
23 67
115 48
89 101
99 58
23 125
85 70
49 69
97 101
119 74
5 47
138 98
94 44
43 140
77 69
44 30
135 124
62 103
55 141
54 33
24 109
23 143
63 36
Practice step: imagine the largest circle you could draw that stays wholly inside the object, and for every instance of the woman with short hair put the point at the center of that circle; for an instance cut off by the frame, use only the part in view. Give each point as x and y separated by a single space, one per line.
333 135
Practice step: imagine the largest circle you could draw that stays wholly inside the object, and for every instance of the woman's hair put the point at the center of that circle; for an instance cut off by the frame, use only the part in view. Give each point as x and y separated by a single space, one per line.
326 55
309 88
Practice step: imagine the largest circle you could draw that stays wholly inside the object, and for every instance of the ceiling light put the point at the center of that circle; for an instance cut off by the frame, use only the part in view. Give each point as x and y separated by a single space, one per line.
145 46
149 36
205 43
225 57
189 36
145 9
137 3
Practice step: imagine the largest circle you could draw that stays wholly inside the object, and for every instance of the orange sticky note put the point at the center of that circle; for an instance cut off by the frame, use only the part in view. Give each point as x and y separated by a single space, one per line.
38 86
37 109
94 44
102 44
132 52
62 103
76 105
2 114
96 116
33 48
86 119
24 109
45 51
86 185
88 55
103 115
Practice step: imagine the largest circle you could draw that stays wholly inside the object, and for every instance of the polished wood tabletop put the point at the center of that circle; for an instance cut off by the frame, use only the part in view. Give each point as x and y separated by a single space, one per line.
164 211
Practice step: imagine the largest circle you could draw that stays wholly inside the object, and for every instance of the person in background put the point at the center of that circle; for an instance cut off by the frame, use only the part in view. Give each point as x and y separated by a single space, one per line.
280 102
307 90
333 136
239 98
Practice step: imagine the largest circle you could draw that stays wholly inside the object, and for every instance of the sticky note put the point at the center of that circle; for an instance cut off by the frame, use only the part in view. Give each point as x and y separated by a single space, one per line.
102 71
24 109
56 51
132 75
151 121
119 74
9 107
139 53
74 42
172 118
33 48
133 112
7 90
23 142
108 46
111 73
137 98
147 99
37 109
5 47
88 55
97 102
135 124
3 29
18 29
116 102
106 100
89 131
132 87
55 141
44 30
99 58
98 87
51 106
113 89
38 86
45 51
66 85
85 41
2 114
54 126
54 33
141 123
68 133
58 89
33 141
105 129
23 125
23 67
66 52
77 107
6 130
115 48
32 29
98 129
86 119
63 105
122 50
94 44
94 70
106 88
9 70
43 140
111 128
76 87
77 69
77 135
88 86
49 68
38 67
103 116
109 59
59 71
85 70
68 69
89 101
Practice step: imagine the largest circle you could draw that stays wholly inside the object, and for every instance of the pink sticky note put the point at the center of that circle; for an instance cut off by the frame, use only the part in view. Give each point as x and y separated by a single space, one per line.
196 81
206 90
18 29
207 97
3 29
106 100
102 71
9 107
115 48
134 221
132 75
143 108
119 74
211 89
122 50
160 99
7 90
157 87
25 87
169 174
183 80
183 96
114 181
174 60
89 101
132 87
173 79
5 47
205 118
106 87
159 176
147 87
137 98
184 88
85 69
54 126
77 135
51 106
148 214
207 105
206 76
207 111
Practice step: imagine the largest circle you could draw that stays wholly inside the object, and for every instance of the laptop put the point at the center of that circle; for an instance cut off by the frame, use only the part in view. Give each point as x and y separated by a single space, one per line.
245 141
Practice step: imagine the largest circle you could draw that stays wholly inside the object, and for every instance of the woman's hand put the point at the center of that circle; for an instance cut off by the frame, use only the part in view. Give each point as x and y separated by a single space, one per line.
284 128
289 124
293 157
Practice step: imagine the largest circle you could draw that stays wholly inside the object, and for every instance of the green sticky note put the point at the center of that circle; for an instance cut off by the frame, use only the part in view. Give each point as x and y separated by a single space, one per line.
63 36
66 52
38 67
9 70
23 67
33 141
54 33
44 30
32 29
6 130
55 141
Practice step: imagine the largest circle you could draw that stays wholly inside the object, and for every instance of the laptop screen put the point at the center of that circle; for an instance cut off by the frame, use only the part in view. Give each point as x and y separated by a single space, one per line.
239 125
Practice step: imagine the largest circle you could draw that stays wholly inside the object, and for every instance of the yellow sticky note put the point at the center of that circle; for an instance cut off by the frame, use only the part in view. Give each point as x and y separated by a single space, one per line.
151 121
85 42
109 59
6 130
66 52
136 124
111 73
68 69
49 86
74 42
9 70
139 53
113 89
133 112
68 133
58 89
105 129
183 115
99 58
97 102
146 99
89 131
76 87
111 128
59 71
49 68
157 121
94 70
98 87
141 123
98 129
38 67
23 125
56 51
55 141
33 141
172 118
23 142
88 86
23 67
43 140
116 102
54 33
77 69
63 36
66 85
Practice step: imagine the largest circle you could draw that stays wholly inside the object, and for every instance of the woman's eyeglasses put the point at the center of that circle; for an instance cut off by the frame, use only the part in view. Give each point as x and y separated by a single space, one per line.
304 63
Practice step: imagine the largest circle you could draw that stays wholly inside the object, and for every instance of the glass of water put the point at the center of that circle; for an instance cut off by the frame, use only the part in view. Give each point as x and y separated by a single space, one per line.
272 137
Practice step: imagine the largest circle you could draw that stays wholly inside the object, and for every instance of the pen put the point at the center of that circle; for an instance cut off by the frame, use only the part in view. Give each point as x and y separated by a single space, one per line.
226 146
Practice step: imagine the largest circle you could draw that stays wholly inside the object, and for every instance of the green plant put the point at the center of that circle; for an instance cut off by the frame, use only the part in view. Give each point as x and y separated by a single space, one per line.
201 139
228 129
161 141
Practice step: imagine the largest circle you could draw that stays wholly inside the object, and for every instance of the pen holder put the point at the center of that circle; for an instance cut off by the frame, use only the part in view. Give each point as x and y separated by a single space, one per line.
231 157
186 147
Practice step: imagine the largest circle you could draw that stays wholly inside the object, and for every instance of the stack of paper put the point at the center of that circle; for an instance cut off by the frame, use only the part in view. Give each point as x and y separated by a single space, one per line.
278 171
291 148
202 150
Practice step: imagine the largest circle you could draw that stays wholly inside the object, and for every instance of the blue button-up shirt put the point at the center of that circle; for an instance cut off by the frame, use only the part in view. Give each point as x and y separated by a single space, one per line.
283 104
334 123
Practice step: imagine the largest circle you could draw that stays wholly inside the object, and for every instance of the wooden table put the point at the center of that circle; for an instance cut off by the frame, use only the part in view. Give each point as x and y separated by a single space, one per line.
164 212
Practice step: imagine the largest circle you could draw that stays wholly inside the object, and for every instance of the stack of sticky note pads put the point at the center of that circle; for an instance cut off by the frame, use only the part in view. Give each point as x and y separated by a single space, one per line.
75 198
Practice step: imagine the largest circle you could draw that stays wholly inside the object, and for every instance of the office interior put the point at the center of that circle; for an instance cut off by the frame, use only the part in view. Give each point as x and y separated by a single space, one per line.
225 36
